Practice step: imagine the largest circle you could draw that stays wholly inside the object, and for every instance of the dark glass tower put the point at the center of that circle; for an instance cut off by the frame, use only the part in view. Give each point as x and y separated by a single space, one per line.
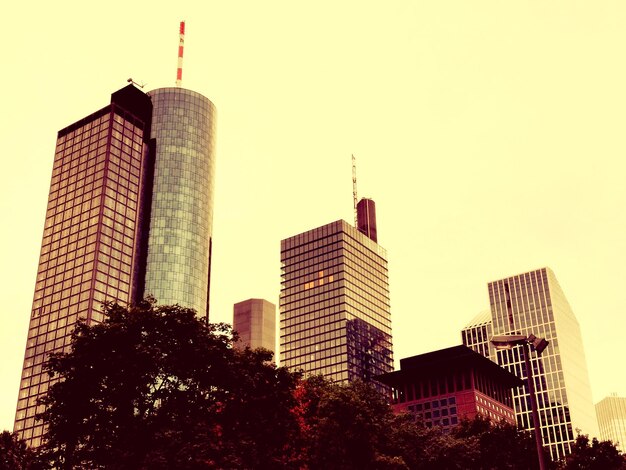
334 304
534 303
98 223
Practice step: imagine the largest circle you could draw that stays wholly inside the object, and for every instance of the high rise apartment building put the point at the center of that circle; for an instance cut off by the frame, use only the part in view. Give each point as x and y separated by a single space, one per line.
255 322
128 182
534 303
334 304
611 413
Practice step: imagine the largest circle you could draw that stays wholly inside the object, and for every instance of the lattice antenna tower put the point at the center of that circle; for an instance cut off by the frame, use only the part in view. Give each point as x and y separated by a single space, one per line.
181 46
354 193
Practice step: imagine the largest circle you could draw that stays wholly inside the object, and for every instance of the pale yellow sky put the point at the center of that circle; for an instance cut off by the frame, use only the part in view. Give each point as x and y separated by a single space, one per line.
490 134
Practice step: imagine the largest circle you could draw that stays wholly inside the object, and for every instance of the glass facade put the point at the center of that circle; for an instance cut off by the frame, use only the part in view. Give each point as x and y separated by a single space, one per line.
181 218
611 413
533 303
88 251
129 213
334 304
440 412
477 334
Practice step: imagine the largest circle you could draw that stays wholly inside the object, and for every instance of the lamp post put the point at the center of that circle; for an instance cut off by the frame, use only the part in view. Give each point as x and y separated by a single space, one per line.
501 342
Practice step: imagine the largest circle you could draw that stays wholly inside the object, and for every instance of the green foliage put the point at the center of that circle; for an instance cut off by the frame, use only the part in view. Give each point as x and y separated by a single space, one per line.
346 426
15 455
352 427
499 445
599 455
155 387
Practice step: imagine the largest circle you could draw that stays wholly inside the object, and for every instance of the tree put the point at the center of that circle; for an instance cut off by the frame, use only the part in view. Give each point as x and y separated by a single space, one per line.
345 425
15 454
600 455
155 387
351 426
500 445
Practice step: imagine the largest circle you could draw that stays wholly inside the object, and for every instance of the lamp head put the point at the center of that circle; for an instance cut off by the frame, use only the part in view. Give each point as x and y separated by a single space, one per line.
507 341
538 344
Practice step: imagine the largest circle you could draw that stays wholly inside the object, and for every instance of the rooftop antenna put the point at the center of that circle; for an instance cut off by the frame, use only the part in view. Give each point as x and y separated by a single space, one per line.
140 85
354 195
181 45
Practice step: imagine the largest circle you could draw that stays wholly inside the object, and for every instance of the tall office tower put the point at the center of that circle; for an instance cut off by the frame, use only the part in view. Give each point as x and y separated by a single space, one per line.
255 321
98 222
88 253
181 219
611 413
533 303
334 304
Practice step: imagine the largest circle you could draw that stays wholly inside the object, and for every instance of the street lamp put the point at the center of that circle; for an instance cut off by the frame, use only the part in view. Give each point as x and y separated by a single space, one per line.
501 342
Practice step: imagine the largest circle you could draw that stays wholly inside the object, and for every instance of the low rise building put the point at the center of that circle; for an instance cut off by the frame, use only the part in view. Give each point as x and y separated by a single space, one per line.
443 387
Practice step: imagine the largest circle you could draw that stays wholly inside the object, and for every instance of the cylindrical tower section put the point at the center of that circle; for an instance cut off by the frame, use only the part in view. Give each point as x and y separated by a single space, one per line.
366 218
178 265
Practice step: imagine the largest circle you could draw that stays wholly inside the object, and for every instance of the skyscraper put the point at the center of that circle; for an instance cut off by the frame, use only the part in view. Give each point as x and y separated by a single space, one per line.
478 332
181 218
611 413
104 235
533 303
255 322
334 304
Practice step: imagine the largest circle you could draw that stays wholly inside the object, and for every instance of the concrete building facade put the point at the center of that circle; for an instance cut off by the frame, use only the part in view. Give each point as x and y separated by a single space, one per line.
440 388
255 322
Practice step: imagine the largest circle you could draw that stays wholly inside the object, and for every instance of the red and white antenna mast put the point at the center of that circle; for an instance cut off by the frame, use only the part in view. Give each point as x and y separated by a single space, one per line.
181 46
354 195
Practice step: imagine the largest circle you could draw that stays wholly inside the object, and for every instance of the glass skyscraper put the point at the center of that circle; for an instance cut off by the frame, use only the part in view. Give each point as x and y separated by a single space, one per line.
611 413
478 332
334 304
181 219
108 168
533 303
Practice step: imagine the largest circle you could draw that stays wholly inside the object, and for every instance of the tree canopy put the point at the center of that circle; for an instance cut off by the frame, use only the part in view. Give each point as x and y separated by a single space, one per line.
154 387
593 455
15 455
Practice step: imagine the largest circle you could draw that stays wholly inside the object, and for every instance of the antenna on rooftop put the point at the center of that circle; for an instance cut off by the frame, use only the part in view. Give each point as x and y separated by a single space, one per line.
140 85
354 195
364 210
181 45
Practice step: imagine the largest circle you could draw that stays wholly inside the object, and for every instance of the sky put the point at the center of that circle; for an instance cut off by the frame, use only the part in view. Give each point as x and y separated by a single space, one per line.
489 133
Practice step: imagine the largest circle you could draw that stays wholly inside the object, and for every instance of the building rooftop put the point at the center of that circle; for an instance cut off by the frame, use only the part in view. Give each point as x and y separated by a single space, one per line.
482 318
436 362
